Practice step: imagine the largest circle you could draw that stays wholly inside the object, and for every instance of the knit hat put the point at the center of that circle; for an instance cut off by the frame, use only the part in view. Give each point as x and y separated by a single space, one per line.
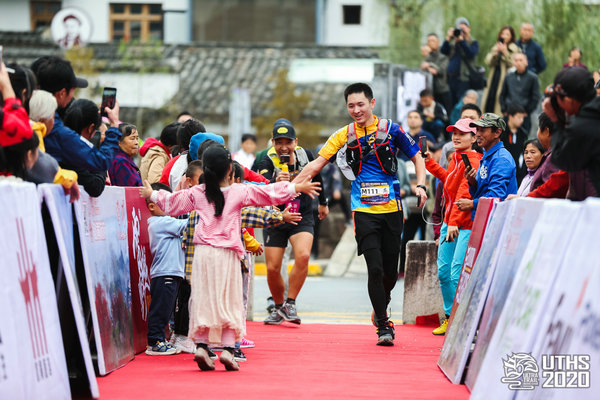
197 140
14 126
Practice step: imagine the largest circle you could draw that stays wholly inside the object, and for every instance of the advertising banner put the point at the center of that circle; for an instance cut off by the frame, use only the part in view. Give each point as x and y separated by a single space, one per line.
140 260
32 359
459 336
61 214
102 225
507 365
518 232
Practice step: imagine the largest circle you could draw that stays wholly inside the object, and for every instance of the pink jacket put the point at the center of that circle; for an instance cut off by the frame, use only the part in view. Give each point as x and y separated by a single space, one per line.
223 231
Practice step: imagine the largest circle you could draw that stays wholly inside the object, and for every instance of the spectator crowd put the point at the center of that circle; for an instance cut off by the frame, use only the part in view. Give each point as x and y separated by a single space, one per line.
478 142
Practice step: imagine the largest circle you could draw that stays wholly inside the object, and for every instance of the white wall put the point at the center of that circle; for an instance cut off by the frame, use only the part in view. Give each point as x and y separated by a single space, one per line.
14 16
372 31
135 90
176 24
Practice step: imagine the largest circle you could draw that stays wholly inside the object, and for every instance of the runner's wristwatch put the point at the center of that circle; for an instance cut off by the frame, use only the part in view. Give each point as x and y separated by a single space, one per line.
422 187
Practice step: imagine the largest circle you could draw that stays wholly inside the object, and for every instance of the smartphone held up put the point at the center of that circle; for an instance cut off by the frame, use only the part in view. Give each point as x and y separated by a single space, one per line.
109 97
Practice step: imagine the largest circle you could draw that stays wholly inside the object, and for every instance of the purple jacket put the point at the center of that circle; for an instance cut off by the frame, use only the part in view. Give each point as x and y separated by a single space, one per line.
123 171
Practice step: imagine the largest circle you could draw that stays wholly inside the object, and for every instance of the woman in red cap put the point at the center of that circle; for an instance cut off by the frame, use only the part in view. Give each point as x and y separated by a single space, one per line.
456 228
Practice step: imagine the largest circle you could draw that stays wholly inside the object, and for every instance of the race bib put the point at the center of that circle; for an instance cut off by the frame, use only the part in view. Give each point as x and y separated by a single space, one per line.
294 206
374 193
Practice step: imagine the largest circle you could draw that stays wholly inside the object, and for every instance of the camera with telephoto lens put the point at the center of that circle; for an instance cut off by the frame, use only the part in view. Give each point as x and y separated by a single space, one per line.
552 92
457 32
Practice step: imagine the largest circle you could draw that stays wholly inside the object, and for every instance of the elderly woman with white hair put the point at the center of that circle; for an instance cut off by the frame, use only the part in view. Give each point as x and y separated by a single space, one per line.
42 107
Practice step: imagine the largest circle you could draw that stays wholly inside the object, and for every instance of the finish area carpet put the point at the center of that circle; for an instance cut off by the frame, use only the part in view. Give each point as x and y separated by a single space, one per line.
311 361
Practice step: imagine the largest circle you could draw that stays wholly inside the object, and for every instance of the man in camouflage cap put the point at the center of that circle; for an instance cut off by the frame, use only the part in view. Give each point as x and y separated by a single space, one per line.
497 172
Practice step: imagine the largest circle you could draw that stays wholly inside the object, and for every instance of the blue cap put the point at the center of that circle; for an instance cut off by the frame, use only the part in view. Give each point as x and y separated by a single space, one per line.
197 140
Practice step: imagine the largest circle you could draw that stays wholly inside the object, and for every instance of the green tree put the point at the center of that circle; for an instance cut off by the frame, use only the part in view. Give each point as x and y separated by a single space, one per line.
289 103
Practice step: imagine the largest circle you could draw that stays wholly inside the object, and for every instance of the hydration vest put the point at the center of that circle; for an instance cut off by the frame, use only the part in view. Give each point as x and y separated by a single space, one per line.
351 156
301 158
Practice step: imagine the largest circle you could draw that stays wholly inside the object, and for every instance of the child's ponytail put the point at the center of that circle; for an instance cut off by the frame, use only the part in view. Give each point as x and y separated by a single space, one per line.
216 162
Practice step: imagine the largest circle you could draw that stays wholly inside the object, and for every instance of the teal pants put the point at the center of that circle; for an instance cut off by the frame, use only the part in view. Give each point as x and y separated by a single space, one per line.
450 260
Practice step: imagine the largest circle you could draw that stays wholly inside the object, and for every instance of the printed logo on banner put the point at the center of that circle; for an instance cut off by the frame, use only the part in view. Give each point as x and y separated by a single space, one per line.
140 256
521 371
571 371
35 320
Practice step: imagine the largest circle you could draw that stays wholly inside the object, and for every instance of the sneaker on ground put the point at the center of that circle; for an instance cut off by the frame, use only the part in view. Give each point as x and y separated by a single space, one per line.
161 349
270 305
386 334
288 313
274 318
183 344
228 360
246 344
441 330
211 354
238 355
203 359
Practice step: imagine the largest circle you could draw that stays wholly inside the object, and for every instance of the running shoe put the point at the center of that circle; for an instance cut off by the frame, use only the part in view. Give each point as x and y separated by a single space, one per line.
274 318
386 334
288 313
270 305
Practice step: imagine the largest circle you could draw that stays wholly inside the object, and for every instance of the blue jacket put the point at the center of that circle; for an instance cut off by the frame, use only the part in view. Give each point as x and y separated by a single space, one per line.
496 176
535 56
164 235
67 146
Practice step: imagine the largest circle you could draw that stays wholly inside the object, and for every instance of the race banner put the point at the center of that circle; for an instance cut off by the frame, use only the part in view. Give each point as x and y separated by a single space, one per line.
140 260
519 227
459 336
102 225
61 215
567 348
507 364
32 359
482 216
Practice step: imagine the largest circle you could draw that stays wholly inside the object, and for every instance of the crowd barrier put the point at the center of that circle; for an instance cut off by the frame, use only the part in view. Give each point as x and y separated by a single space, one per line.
77 288
76 293
529 304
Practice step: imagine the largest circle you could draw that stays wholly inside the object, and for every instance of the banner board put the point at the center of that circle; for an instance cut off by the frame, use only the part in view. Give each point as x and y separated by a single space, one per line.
508 356
33 362
102 225
459 336
482 216
518 231
140 260
62 221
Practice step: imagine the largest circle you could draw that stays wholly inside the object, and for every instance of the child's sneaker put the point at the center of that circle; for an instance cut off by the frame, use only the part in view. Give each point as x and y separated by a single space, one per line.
161 349
183 344
238 355
246 344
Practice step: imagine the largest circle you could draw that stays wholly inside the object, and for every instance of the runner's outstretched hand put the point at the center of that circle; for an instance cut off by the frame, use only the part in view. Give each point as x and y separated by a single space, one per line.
310 188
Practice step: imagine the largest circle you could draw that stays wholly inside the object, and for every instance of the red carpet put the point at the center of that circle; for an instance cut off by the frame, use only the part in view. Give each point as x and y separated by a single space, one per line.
312 361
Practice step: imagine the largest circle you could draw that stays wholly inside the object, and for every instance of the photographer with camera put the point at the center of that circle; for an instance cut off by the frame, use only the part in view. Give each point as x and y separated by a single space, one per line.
461 49
573 106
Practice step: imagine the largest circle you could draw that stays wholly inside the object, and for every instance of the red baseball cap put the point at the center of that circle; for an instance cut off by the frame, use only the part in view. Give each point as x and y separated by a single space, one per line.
15 125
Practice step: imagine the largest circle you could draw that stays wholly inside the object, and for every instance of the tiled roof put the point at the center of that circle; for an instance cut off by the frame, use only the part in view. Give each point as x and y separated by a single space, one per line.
209 71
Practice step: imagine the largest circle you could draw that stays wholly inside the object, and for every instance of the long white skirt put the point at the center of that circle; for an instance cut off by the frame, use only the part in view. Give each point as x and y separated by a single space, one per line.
216 301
